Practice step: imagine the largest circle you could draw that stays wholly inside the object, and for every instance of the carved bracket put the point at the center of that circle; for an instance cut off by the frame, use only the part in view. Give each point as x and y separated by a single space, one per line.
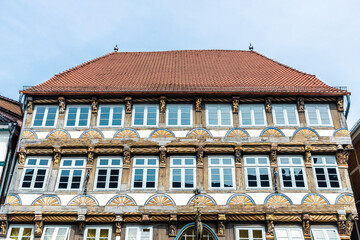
308 155
62 105
162 104
306 226
198 104
273 155
94 104
30 105
173 226
127 156
56 157
268 104
128 105
145 218
269 225
118 224
238 155
162 151
236 101
200 156
38 225
3 225
300 104
340 104
22 156
90 159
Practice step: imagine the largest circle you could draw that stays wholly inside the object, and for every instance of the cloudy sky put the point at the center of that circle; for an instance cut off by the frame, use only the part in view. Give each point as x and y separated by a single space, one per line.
41 38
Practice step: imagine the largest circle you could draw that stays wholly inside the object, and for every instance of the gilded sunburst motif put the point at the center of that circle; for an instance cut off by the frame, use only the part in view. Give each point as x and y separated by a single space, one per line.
13 200
92 133
272 132
342 132
240 199
28 134
306 133
201 200
58 134
314 200
199 133
162 133
126 133
121 200
160 200
277 200
237 133
47 200
345 198
83 200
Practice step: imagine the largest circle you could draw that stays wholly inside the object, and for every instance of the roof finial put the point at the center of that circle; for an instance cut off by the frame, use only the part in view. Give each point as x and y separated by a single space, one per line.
251 47
116 48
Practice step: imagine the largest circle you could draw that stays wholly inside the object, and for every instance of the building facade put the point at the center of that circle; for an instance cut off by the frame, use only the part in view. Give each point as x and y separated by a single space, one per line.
182 145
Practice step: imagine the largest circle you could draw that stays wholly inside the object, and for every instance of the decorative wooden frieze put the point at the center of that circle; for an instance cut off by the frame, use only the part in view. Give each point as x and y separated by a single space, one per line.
235 104
340 104
324 148
287 218
198 104
308 161
219 149
21 218
200 156
238 155
3 225
90 157
62 105
162 151
100 219
290 149
39 151
268 104
300 104
22 156
94 104
108 150
323 218
162 104
245 218
128 104
73 151
30 105
160 218
144 150
59 218
56 157
273 155
306 226
181 149
127 156
256 149
38 225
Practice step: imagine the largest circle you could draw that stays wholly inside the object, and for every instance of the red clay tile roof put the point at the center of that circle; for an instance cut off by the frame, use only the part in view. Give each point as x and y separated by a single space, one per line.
9 110
183 72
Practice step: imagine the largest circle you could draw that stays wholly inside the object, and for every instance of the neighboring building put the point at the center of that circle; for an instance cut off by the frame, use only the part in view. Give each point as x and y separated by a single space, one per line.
159 145
10 124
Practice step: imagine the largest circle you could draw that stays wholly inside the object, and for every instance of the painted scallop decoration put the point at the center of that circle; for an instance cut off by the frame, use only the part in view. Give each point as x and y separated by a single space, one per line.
277 199
201 200
314 199
83 200
162 133
160 200
47 200
345 198
272 132
199 133
58 134
126 133
121 200
342 132
13 200
92 133
306 133
237 133
240 199
28 134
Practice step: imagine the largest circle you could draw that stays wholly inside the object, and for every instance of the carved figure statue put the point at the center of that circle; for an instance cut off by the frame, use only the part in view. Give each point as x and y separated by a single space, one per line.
57 158
300 104
62 105
236 105
268 102
94 105
162 104
198 104
3 228
30 107
270 227
221 230
22 157
198 226
172 230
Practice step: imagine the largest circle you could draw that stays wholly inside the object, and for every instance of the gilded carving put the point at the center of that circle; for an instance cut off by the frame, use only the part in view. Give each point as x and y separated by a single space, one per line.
94 104
306 227
236 101
128 105
22 157
173 217
118 228
270 228
172 229
90 159
340 104
350 223
57 156
3 228
308 155
238 155
300 104
162 151
127 156
145 217
198 103
62 105
268 104
200 156
273 154
221 229
38 226
162 104
198 225
30 106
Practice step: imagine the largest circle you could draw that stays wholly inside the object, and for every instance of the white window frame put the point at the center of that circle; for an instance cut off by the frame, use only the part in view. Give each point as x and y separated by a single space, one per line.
111 115
261 228
291 167
21 231
285 114
56 231
145 167
77 116
45 116
138 228
219 124
221 166
252 114
325 166
324 229
320 124
287 229
182 167
108 167
145 115
98 228
179 115
36 168
257 166
71 169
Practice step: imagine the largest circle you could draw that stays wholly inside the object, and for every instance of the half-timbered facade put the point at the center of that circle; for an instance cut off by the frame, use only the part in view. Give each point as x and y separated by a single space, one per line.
153 145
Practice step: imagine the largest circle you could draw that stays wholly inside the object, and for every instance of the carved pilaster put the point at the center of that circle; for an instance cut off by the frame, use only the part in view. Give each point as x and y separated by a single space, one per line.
221 225
30 105
200 156
306 226
118 224
62 105
56 157
3 225
81 220
128 105
340 104
162 151
127 156
173 226
273 154
342 224
90 159
308 155
236 101
268 104
162 104
94 104
238 155
22 156
198 104
38 225
269 226
300 104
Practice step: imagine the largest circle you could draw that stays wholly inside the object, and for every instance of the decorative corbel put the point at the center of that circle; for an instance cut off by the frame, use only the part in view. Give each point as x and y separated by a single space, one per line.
162 104
268 104
118 224
238 155
62 105
221 225
342 224
94 104
30 105
198 102
162 151
236 101
340 154
300 104
273 154
3 225
308 155
90 158
22 156
269 226
306 226
350 223
340 104
127 156
173 226
200 156
128 104
38 225
56 157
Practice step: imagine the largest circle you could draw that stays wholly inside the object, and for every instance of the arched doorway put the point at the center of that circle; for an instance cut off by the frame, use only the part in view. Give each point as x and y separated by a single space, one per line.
189 233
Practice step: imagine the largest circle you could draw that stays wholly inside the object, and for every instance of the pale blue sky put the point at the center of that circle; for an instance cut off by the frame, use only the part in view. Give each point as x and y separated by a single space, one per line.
41 38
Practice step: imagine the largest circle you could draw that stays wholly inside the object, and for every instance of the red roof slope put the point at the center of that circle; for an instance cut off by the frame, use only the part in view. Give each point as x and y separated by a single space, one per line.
183 72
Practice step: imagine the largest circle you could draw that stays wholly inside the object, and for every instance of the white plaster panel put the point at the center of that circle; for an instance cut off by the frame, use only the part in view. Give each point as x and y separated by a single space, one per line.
325 133
75 134
288 132
42 135
65 199
331 197
109 134
140 198
181 199
144 133
103 199
180 133
296 198
254 132
258 198
221 198
218 133
28 199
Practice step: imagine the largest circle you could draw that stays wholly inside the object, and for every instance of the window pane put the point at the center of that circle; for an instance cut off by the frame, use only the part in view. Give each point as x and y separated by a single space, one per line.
246 115
259 115
101 180
279 115
138 178
264 177
291 114
151 116
150 179
212 115
117 116
104 116
251 175
286 175
311 111
71 117
172 115
225 115
324 115
189 178
299 177
185 116
76 179
83 118
176 178
50 120
39 117
139 115
215 177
